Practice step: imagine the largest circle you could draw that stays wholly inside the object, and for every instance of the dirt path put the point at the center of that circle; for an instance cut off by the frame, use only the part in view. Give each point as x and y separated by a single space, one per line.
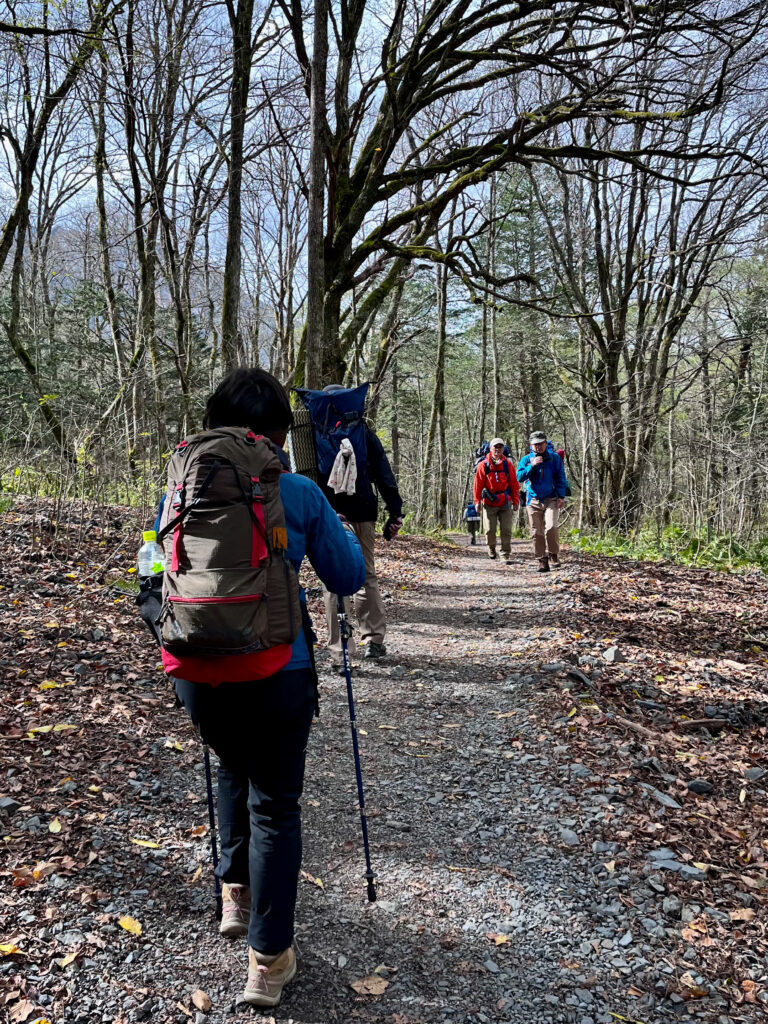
514 881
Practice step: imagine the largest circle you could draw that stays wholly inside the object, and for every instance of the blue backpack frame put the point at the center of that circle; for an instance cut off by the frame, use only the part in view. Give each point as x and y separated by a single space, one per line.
336 415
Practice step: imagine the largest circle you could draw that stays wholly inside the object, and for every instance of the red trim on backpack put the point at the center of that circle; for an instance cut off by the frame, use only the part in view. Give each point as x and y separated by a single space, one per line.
233 668
238 599
259 549
178 501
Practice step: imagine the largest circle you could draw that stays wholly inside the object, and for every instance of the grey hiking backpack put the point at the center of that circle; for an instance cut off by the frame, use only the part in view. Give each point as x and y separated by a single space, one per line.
230 595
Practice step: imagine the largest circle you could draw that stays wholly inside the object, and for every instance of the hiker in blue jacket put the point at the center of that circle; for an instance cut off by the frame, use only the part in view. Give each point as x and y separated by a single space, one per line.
259 730
543 474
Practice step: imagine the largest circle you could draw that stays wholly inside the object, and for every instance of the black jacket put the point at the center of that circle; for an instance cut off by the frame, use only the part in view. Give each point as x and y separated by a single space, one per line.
363 507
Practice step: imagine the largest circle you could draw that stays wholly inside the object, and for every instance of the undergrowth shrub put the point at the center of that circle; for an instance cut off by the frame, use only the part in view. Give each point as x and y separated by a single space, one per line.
675 544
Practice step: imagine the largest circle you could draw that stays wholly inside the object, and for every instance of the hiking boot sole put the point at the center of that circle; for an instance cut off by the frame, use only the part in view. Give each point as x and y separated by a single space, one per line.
262 999
233 929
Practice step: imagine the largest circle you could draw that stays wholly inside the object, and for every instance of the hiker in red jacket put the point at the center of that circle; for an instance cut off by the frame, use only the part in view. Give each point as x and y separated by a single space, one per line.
497 491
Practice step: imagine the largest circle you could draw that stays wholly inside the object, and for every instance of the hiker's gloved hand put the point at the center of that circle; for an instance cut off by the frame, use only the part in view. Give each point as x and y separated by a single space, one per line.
561 502
392 527
486 494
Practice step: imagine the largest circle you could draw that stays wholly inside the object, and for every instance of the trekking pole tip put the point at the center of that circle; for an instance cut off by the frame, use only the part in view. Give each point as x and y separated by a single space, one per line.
371 891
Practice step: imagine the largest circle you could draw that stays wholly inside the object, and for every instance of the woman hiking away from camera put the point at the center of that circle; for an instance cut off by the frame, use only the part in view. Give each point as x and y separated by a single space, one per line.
259 729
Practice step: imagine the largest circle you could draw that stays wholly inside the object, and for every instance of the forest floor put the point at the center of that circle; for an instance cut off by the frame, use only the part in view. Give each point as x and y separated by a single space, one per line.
566 778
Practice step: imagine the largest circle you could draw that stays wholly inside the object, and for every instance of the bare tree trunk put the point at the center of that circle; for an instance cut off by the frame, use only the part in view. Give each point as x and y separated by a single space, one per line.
483 368
436 431
13 333
395 423
492 236
241 22
316 320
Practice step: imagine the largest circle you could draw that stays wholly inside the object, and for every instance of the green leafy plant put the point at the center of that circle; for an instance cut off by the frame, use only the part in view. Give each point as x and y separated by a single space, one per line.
676 544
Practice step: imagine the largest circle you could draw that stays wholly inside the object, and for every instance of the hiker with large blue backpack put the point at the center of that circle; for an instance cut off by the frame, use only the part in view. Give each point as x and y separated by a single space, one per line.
542 473
353 470
236 637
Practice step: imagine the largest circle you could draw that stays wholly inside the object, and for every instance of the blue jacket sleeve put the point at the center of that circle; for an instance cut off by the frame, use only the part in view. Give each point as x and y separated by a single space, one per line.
334 552
524 468
156 527
382 475
560 481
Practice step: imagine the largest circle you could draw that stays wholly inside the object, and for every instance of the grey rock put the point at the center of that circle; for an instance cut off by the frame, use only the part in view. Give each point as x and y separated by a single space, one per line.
689 872
613 656
569 837
491 966
671 905
662 798
599 847
71 937
700 786
626 939
755 774
668 865
398 826
9 805
663 853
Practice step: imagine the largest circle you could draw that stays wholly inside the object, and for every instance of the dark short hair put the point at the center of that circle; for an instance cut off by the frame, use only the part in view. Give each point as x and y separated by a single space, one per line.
249 398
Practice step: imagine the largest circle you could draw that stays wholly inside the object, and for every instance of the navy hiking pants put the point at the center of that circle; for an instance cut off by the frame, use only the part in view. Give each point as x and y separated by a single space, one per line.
259 730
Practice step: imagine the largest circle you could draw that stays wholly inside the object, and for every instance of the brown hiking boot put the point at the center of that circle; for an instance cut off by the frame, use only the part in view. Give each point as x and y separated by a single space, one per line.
267 975
235 910
543 565
554 561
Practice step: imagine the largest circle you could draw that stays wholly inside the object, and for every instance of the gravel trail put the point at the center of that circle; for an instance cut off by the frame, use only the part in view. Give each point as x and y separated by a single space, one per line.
502 896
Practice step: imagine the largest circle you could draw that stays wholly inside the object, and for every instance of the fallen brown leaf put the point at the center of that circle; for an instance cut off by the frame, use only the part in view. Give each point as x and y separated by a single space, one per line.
744 914
20 1012
202 1000
371 985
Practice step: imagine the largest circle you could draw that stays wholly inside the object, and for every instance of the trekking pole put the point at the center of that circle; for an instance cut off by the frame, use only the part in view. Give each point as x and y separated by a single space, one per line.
343 632
212 821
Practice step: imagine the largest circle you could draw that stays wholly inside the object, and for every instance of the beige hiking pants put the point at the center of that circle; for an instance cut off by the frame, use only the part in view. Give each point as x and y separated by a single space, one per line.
542 519
502 516
369 607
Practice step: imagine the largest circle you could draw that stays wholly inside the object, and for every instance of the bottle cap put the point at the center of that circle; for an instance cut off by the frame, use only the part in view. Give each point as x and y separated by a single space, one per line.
149 535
